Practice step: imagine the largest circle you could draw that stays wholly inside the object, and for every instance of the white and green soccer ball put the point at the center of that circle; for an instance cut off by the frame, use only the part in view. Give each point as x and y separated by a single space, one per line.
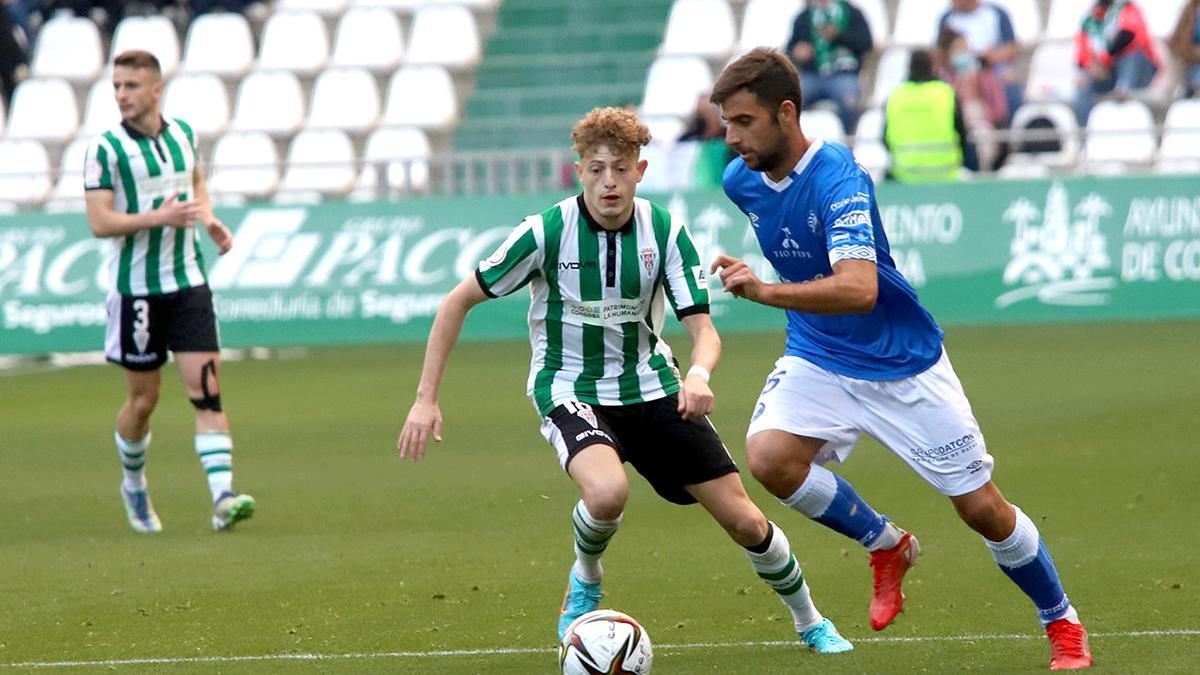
605 641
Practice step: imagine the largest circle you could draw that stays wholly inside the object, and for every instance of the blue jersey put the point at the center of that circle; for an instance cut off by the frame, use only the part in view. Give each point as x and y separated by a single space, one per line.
822 212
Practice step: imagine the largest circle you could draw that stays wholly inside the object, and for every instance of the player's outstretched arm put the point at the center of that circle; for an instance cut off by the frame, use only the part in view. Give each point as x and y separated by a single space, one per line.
851 289
216 229
696 398
425 418
107 222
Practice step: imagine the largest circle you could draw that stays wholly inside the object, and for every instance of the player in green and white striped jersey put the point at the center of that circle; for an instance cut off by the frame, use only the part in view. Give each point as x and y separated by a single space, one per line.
145 191
601 268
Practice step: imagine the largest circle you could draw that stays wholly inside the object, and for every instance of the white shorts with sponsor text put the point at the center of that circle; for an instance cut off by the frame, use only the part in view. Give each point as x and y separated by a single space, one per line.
925 419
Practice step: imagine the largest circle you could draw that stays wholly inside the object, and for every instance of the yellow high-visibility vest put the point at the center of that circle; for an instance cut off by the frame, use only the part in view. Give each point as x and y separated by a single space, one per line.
921 134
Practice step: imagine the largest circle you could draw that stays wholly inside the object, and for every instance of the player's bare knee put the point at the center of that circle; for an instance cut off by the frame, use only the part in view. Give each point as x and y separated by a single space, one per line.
143 401
606 501
748 528
778 471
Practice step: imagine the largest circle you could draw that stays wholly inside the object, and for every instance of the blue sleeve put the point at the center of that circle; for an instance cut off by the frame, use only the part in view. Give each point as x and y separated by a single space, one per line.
849 231
1007 35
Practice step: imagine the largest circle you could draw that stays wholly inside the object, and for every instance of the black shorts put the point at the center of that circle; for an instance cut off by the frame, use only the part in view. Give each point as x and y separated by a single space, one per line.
669 451
142 328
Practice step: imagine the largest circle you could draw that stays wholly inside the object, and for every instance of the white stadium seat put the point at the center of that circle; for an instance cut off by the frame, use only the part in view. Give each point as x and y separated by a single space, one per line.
701 27
768 23
916 22
1120 132
1052 73
1161 16
1065 18
674 83
1065 125
444 35
269 101
876 14
231 31
344 98
68 191
320 160
1026 16
24 171
665 128
201 101
155 34
869 149
421 96
405 153
1018 170
101 113
44 109
822 124
68 46
1180 147
324 7
407 6
294 41
244 164
368 37
892 70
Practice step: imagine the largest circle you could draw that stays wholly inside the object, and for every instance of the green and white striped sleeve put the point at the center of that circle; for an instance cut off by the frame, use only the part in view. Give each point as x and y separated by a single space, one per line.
99 165
685 277
514 264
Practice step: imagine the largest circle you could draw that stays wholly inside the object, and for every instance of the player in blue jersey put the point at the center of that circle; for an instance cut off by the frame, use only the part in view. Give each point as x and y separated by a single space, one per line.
863 355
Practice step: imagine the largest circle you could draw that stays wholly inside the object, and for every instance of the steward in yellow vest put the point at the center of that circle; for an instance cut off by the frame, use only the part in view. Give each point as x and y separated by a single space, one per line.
923 127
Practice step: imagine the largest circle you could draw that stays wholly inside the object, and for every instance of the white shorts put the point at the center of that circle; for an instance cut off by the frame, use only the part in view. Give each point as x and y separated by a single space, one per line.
925 419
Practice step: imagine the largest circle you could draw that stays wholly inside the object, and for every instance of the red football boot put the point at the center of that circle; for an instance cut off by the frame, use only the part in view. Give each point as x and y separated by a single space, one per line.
890 567
1068 645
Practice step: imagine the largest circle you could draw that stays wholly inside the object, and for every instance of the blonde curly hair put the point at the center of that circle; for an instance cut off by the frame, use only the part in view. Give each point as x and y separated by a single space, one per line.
617 128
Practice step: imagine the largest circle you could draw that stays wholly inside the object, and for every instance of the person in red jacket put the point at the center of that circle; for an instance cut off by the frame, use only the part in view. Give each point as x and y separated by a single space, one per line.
1115 53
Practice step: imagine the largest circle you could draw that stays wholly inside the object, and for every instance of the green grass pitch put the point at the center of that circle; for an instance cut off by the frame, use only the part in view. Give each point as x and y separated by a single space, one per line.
408 567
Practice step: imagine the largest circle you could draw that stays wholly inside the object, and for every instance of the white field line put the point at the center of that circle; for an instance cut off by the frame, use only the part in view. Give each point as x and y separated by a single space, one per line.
502 651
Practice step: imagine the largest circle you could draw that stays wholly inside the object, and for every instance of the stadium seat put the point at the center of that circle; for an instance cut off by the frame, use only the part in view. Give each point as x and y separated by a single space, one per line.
823 124
876 14
1019 170
201 101
916 22
1161 16
344 98
673 85
891 71
323 7
44 109
24 171
407 6
444 35
1052 73
1065 18
368 37
101 113
421 96
68 191
768 23
1043 118
700 27
294 41
269 101
231 31
1026 16
869 149
473 4
1119 132
244 164
405 151
320 160
1180 148
667 129
69 47
155 34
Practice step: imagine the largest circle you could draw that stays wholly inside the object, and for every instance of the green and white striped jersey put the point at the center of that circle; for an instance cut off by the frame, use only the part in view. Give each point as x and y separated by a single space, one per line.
596 301
142 172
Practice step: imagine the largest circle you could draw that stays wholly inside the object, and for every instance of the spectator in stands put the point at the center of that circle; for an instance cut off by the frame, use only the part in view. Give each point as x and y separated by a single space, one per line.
923 127
1115 54
20 12
706 129
988 31
14 62
980 96
829 39
1185 44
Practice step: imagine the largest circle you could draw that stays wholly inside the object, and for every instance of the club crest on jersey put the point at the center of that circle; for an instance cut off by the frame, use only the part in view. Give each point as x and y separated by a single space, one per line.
648 255
497 257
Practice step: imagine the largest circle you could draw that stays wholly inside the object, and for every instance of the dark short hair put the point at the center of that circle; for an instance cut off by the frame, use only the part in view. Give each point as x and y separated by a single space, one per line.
764 72
946 37
138 58
920 66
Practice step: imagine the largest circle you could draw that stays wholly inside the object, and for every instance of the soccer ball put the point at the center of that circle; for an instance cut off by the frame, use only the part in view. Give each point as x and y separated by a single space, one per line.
605 641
